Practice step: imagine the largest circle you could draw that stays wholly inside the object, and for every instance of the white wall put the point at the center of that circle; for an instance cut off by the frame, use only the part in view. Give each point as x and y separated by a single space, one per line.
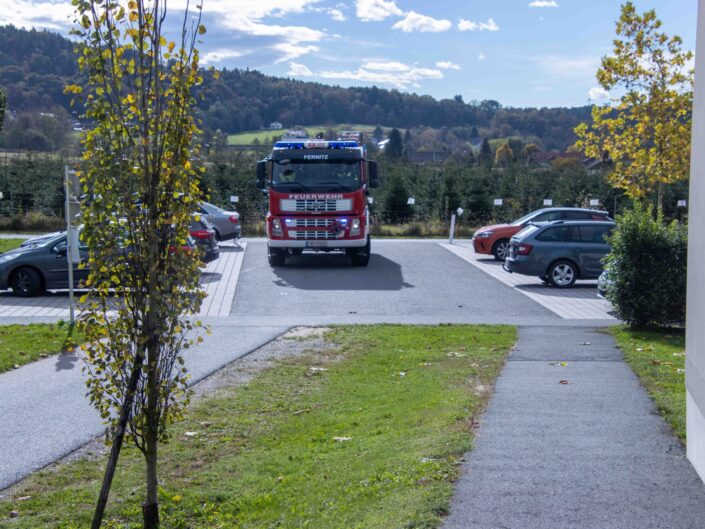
695 334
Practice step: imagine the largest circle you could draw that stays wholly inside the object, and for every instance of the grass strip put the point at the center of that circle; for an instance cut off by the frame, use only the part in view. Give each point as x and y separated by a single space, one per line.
10 244
22 344
658 359
368 434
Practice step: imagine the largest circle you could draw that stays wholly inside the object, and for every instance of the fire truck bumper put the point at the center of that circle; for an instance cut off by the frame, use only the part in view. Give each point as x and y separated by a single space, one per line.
317 245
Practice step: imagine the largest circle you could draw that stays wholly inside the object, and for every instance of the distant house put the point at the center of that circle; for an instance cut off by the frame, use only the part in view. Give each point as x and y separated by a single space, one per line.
382 144
275 125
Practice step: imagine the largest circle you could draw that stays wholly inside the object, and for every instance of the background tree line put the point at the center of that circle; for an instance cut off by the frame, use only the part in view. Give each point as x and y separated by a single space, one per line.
36 65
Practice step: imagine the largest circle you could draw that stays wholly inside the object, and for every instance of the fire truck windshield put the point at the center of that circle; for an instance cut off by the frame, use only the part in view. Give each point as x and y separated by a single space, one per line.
316 175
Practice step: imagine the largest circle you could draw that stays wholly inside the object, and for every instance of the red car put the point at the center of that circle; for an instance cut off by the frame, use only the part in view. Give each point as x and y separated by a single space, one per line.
494 240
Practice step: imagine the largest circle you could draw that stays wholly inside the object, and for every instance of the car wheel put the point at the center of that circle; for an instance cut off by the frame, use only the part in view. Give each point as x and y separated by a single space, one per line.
26 283
500 250
563 274
217 236
275 256
361 257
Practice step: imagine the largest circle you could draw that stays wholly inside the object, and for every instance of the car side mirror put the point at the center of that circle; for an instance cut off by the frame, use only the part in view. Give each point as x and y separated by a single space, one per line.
373 178
261 174
60 251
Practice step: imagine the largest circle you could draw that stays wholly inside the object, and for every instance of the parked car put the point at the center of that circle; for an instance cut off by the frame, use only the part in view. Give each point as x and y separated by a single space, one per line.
494 240
603 283
225 223
42 265
560 252
203 233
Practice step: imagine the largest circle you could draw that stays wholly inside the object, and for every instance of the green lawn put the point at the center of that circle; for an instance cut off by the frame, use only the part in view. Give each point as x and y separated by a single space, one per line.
246 138
22 344
658 359
371 438
9 244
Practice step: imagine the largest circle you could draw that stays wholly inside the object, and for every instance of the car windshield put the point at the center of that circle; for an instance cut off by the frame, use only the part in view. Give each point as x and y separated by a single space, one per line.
523 219
212 208
316 175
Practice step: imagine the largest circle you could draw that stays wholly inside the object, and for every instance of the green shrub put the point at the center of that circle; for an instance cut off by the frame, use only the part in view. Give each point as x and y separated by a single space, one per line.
647 269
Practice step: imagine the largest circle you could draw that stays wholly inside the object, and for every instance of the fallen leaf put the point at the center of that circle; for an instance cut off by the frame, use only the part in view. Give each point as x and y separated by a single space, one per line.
14 514
190 434
176 499
306 410
24 498
585 343
680 371
341 439
564 382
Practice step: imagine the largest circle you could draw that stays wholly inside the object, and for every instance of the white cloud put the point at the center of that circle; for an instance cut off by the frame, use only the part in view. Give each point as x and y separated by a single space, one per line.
292 51
599 95
481 56
299 70
543 3
390 73
217 56
569 67
28 14
376 10
337 15
418 22
469 25
447 65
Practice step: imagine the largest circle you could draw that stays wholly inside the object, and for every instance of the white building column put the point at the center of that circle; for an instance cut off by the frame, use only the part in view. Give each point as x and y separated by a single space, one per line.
695 333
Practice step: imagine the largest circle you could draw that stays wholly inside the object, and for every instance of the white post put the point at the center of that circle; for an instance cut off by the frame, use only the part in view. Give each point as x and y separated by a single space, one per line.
452 229
69 241
695 329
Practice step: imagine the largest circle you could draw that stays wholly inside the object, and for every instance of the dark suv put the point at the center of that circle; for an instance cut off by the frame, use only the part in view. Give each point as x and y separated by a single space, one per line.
560 252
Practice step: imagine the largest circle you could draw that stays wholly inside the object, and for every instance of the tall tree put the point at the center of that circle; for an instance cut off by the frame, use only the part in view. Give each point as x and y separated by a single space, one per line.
485 155
647 130
3 103
504 155
474 133
395 147
138 172
378 133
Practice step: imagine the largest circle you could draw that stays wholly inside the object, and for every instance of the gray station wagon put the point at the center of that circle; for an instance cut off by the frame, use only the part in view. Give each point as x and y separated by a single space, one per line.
560 252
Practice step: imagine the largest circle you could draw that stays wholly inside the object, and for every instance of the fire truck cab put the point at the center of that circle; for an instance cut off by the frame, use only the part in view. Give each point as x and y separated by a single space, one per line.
317 192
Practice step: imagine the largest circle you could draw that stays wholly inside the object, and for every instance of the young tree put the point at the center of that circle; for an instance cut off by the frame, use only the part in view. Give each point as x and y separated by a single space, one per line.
504 155
142 187
395 146
647 130
378 133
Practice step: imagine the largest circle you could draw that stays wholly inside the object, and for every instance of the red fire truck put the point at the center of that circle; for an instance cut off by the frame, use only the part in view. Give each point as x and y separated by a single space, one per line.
318 197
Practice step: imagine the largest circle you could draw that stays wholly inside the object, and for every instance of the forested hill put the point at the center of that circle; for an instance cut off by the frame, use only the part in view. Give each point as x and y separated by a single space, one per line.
35 65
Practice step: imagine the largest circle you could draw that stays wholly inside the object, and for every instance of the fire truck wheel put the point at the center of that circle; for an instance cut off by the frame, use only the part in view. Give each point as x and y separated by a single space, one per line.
275 256
362 256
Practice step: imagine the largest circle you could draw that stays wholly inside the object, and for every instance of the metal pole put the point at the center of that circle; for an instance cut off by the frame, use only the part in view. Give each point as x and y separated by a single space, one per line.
452 229
69 242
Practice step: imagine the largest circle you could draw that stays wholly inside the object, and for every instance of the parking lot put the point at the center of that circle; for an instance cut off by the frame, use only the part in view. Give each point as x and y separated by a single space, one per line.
410 281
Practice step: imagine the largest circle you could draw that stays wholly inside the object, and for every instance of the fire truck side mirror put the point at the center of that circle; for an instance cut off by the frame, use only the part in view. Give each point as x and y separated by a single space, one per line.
372 174
261 174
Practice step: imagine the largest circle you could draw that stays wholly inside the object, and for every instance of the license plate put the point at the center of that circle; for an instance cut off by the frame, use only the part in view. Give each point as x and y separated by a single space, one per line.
316 244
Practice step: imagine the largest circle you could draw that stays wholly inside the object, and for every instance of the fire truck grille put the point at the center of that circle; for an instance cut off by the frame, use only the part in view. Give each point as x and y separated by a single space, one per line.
311 235
313 223
316 205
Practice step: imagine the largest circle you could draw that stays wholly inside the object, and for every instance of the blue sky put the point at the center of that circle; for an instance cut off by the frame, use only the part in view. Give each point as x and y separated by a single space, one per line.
519 52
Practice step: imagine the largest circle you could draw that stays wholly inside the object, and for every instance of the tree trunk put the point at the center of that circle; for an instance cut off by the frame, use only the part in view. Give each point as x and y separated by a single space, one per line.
659 205
150 508
117 443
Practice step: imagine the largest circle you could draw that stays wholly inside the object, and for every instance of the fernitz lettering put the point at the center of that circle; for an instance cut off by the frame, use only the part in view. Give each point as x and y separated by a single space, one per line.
315 156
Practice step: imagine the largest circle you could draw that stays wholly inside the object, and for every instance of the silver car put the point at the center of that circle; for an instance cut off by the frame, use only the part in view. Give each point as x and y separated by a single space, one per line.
225 223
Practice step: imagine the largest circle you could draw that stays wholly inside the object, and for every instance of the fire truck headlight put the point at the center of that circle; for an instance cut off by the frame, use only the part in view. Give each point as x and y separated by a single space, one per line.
276 227
355 228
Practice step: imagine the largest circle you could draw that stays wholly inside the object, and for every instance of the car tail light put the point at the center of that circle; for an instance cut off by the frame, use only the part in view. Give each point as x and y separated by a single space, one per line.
234 219
524 249
200 234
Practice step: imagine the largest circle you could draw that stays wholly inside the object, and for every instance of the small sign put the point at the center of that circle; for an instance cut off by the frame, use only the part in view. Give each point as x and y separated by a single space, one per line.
594 201
460 211
411 201
234 199
547 201
370 200
75 243
498 202
681 203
